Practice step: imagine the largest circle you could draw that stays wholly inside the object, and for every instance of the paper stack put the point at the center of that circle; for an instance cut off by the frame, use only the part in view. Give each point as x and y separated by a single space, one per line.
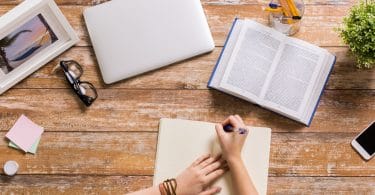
25 135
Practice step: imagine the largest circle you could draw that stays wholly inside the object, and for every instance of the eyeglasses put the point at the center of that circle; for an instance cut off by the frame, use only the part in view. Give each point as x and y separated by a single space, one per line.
85 90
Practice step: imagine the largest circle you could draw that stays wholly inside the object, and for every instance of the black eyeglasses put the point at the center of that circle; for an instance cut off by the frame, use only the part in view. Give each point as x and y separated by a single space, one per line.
85 90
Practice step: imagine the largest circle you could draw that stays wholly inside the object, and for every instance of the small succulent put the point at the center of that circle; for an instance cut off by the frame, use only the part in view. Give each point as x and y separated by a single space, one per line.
358 33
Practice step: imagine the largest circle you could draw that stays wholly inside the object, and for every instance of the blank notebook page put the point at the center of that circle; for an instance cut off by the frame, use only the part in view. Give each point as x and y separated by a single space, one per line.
180 142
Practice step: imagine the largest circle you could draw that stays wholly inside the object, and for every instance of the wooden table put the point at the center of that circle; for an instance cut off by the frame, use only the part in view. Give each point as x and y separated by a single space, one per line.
110 147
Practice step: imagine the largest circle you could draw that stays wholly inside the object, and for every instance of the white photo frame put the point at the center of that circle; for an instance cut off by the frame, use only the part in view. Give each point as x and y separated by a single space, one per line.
31 35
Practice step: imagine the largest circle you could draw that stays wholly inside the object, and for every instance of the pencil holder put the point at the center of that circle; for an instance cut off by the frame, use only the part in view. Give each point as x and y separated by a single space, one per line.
284 21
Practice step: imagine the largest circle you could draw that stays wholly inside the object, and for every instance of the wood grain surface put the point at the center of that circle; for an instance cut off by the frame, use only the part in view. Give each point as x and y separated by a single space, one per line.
190 74
133 153
110 147
86 184
218 2
220 18
140 110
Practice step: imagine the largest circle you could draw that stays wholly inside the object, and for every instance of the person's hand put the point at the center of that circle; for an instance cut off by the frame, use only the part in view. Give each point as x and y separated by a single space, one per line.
197 178
231 142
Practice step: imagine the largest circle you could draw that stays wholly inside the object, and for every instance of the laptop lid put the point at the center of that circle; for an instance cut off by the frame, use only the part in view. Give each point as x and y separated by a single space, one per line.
133 37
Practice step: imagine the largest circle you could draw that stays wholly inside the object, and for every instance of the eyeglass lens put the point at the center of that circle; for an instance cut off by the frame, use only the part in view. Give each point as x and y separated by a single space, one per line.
74 69
87 89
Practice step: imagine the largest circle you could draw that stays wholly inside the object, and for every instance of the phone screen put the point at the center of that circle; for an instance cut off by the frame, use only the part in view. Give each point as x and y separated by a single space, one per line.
367 139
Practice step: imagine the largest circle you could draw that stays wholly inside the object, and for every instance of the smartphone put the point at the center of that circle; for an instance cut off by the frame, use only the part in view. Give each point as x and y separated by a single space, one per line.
364 143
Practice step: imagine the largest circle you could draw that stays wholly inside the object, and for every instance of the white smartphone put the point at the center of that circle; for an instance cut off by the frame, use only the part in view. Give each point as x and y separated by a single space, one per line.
364 143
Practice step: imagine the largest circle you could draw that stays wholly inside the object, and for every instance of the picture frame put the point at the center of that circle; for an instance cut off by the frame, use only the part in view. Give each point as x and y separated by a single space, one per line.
31 35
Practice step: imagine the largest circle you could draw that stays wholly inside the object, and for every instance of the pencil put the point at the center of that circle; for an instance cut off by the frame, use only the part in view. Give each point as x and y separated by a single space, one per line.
293 9
286 11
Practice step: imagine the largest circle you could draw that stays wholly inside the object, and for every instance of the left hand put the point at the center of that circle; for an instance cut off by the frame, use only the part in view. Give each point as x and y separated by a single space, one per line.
197 178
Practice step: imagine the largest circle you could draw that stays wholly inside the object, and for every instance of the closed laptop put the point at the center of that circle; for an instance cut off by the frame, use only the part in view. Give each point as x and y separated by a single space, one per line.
133 37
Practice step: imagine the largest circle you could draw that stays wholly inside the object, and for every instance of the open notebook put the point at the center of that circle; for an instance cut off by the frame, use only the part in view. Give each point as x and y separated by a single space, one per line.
180 142
268 68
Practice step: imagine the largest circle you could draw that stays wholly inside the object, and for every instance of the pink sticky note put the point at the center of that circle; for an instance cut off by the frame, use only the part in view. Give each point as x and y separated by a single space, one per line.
24 133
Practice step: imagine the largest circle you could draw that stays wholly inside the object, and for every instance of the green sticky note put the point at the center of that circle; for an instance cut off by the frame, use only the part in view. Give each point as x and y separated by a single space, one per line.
32 150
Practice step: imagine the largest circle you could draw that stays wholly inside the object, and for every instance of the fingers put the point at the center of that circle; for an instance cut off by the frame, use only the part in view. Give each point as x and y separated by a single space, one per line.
219 130
208 161
214 166
200 160
216 174
239 118
211 191
233 121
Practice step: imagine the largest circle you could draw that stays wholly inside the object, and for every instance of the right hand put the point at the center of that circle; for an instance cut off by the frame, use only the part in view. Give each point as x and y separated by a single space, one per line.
197 178
231 143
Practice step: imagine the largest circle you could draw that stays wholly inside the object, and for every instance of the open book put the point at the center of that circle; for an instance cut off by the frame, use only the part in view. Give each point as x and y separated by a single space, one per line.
266 67
181 142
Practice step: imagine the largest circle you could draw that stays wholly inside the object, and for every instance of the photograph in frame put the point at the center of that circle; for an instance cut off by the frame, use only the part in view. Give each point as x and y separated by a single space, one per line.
26 41
31 35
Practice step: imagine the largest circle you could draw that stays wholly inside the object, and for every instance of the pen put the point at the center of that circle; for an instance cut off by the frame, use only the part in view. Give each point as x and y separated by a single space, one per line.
229 128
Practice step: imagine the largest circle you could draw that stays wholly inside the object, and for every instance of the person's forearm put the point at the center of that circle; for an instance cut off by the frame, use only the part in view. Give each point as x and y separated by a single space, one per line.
149 191
242 182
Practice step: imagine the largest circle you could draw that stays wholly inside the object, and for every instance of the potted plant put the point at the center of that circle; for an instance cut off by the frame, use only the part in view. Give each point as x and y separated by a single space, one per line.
358 32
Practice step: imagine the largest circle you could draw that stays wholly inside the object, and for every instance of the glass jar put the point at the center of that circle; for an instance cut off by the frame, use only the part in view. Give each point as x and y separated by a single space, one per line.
284 24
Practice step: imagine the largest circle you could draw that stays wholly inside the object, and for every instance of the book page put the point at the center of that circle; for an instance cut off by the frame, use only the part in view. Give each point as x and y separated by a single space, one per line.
1 74
251 60
294 76
318 88
224 57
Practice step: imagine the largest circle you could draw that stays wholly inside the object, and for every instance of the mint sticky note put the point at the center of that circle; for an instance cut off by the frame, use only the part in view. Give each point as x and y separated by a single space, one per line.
32 150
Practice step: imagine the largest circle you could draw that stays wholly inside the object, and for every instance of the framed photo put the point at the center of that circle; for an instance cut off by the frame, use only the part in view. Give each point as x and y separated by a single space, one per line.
31 35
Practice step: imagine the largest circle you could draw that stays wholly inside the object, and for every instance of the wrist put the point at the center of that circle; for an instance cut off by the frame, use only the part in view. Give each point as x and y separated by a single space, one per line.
234 159
169 186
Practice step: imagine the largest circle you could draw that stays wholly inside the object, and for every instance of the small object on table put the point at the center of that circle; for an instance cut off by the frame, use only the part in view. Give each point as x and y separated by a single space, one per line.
85 90
286 11
229 128
273 5
293 9
274 10
285 15
32 150
25 133
11 168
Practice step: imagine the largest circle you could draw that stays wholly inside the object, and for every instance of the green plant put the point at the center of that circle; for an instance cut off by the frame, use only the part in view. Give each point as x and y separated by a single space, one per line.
359 33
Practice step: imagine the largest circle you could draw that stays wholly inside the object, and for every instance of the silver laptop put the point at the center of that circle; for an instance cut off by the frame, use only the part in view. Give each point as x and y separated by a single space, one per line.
133 37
